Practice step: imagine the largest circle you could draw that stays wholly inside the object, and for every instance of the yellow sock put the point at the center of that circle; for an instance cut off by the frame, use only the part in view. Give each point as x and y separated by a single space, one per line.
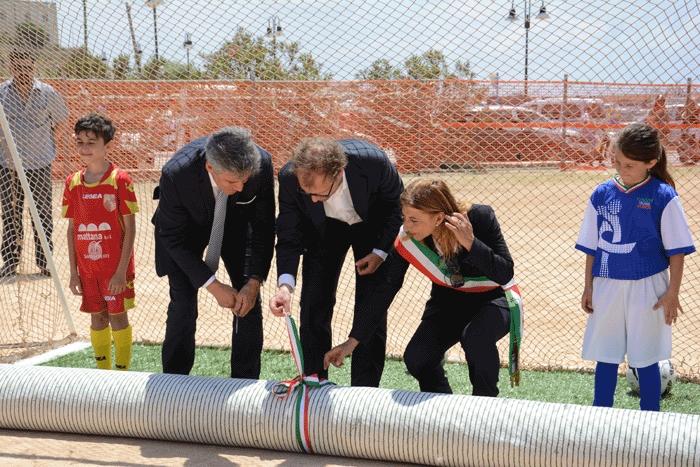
122 348
102 345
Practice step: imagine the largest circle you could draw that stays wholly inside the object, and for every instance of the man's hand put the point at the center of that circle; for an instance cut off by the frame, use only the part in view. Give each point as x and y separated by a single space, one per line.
337 354
245 300
74 284
281 303
671 305
225 295
587 299
368 264
117 284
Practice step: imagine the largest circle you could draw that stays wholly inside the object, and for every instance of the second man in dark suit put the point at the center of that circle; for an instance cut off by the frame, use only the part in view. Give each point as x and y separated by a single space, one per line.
334 195
217 192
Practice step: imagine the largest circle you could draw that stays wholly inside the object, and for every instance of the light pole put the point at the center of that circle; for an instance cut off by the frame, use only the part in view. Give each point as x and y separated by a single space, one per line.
274 30
138 53
85 32
188 46
513 17
135 45
153 5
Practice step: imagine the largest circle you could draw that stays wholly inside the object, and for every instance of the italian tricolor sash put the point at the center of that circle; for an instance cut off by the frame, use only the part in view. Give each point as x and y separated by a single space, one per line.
300 386
431 265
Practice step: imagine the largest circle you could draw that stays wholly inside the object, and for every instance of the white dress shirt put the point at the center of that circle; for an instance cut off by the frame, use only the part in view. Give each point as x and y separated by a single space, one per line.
338 206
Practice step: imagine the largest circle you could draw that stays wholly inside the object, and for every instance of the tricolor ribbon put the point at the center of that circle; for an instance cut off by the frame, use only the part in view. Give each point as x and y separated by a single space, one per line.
433 267
301 385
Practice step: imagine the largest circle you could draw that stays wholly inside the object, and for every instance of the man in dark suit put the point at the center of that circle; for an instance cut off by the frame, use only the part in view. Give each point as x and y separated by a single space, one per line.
334 195
217 192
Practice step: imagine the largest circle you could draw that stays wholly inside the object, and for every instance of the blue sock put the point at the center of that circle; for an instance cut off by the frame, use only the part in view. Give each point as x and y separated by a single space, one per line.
649 387
605 382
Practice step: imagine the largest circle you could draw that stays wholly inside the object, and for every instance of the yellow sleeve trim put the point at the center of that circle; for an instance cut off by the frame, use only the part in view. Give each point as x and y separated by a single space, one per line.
74 181
112 179
133 206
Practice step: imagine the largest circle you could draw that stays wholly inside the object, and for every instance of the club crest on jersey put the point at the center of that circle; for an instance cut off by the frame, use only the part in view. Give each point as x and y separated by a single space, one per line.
109 202
94 251
644 203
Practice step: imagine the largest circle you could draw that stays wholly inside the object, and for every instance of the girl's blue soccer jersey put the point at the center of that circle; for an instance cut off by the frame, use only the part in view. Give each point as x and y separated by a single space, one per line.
633 231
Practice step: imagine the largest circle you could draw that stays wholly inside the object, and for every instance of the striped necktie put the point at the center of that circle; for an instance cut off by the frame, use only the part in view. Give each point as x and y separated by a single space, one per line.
217 232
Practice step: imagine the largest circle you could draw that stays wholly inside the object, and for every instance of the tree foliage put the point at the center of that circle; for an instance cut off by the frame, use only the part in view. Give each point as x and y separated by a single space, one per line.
248 57
168 70
121 68
83 65
380 69
429 65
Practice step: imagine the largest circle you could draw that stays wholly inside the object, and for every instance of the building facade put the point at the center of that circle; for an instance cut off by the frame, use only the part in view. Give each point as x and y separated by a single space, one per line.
16 12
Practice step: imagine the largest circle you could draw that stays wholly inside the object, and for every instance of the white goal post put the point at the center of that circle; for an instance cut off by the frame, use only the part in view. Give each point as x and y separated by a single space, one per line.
17 162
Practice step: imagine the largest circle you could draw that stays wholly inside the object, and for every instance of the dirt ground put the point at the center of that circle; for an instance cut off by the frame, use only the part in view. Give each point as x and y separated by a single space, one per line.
40 448
540 211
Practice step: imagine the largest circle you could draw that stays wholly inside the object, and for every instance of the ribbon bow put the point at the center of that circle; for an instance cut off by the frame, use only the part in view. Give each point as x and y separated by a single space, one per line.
301 386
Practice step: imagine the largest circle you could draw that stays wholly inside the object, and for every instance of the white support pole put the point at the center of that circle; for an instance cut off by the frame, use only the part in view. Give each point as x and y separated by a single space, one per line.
5 126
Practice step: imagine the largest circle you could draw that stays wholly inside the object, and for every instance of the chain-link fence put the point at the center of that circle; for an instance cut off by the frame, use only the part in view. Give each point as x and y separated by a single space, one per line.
516 114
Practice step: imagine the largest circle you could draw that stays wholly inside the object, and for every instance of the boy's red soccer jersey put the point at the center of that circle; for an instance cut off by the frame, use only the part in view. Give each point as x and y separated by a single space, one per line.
98 229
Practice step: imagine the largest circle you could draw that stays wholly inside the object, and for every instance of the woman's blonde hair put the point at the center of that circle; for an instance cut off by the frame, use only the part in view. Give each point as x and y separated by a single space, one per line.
433 196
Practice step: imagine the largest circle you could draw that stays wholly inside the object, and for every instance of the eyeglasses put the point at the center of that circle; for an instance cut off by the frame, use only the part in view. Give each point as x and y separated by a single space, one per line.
327 195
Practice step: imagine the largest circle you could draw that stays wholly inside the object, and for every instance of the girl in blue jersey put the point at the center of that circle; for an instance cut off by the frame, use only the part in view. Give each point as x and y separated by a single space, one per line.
633 229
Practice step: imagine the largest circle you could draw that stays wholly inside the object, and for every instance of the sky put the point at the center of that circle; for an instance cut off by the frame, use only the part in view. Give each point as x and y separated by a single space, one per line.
629 41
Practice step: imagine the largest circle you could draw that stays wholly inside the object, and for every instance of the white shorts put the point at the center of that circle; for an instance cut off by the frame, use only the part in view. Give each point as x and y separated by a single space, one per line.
624 322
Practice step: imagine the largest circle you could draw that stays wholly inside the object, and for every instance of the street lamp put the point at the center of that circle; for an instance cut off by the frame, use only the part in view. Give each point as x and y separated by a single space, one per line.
513 17
153 5
188 46
274 30
138 52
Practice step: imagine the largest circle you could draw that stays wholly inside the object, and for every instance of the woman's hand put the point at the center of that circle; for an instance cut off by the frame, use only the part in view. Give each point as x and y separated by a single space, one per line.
459 224
337 354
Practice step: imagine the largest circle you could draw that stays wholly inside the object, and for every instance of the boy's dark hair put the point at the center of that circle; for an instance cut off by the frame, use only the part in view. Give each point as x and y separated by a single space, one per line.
98 124
641 142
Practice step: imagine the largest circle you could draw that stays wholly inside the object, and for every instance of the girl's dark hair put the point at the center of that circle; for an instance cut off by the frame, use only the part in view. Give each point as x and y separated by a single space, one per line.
100 125
641 142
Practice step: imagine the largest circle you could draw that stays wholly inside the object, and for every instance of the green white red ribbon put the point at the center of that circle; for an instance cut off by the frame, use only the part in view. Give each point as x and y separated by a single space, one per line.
433 267
300 386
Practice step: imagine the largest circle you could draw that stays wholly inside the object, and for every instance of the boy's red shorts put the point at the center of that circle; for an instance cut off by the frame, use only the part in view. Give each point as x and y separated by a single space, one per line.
96 296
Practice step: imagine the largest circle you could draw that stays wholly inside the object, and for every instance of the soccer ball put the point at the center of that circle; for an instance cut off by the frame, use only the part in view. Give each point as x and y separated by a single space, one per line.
668 376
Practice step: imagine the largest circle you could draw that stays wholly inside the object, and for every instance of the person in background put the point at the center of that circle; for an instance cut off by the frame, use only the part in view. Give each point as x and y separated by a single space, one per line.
462 251
335 195
34 111
100 205
634 228
217 192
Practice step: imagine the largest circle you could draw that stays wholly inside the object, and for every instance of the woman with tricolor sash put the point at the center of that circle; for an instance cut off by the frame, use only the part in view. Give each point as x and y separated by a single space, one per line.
473 299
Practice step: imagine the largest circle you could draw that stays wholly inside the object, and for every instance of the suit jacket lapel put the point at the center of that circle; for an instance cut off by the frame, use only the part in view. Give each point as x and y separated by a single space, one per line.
359 192
206 192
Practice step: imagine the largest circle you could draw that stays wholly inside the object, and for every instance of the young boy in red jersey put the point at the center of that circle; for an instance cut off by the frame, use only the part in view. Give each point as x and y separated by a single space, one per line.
99 203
